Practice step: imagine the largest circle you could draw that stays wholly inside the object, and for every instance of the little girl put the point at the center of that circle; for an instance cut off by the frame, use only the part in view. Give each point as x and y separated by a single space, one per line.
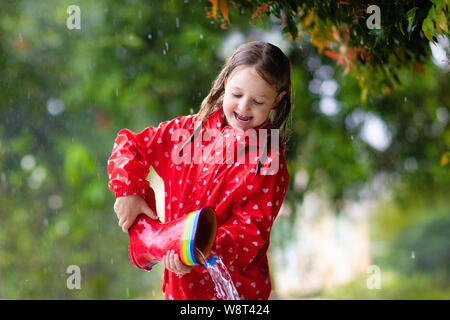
252 92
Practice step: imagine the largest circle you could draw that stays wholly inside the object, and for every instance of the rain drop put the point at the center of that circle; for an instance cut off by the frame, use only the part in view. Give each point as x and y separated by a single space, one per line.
55 106
27 162
55 201
37 177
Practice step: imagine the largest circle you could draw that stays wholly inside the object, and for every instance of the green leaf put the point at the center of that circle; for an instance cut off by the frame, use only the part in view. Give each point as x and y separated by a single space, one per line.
364 93
441 21
410 16
438 5
432 13
428 28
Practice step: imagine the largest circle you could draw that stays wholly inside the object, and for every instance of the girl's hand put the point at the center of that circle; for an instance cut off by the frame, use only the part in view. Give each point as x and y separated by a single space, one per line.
173 263
127 208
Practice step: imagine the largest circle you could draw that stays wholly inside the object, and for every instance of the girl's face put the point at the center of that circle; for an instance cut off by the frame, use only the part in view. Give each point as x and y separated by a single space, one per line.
248 99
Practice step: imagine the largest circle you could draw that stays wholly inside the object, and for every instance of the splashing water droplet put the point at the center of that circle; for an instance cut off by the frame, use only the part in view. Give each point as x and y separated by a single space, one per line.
224 285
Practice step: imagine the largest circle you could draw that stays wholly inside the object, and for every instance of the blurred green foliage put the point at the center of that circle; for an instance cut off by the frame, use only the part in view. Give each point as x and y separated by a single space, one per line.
394 286
425 247
64 95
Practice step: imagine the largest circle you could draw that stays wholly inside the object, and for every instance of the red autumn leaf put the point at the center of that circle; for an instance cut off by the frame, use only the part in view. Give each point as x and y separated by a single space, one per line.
332 54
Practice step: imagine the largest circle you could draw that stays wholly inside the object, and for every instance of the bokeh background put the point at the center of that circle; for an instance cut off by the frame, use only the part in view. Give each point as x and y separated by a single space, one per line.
367 214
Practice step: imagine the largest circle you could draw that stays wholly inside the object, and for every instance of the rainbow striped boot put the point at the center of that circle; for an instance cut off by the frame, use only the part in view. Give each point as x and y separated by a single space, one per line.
150 239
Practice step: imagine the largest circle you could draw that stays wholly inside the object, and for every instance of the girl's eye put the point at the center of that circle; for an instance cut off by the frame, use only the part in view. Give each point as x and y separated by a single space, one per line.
239 95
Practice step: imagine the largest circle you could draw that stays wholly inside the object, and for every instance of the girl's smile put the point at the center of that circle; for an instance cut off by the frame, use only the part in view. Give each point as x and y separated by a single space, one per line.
243 120
248 98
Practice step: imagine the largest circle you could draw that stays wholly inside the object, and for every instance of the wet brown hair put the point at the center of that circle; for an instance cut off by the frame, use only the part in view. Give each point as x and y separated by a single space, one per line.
274 67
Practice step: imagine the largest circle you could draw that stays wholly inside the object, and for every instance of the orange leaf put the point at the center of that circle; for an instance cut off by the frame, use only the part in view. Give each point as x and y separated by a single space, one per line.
214 8
309 18
332 54
388 90
224 10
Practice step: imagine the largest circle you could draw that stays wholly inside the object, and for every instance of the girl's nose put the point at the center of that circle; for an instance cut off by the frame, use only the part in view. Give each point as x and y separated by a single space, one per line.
244 106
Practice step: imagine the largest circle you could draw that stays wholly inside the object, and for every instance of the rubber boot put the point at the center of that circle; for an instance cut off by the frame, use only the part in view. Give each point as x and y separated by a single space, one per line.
150 239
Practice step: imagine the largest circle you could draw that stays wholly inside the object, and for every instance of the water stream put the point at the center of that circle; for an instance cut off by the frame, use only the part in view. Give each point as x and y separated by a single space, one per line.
225 288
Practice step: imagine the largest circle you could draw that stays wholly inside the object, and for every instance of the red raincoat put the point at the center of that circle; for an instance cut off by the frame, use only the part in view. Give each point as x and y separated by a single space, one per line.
246 205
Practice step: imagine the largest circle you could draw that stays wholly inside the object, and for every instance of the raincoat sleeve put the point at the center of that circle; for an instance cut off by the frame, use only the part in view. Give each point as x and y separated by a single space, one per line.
134 153
244 238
